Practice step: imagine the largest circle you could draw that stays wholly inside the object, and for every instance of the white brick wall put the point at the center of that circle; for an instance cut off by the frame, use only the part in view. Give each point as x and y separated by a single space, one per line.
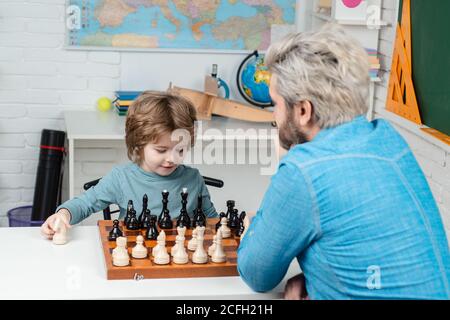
432 155
38 80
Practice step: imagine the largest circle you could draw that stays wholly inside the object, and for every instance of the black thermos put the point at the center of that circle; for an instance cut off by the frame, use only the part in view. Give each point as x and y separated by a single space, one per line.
48 179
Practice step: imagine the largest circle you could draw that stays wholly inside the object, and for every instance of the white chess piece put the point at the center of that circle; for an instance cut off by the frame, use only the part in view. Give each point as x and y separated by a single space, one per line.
226 232
181 233
139 251
218 255
60 236
120 253
213 246
246 226
180 256
162 257
174 249
161 243
192 244
200 255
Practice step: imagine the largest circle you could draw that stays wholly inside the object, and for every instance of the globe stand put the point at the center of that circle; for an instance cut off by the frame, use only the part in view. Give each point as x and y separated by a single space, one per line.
208 103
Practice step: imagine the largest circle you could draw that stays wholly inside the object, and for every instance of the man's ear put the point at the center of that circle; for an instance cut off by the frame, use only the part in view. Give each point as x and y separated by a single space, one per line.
303 113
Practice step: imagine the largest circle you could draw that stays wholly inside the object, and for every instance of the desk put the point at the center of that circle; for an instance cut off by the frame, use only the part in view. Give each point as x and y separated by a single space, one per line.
108 126
34 268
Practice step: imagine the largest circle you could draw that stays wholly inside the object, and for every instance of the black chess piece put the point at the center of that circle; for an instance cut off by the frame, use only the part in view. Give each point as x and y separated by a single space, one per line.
115 231
133 223
218 224
183 219
230 206
152 232
165 221
128 215
199 219
233 223
144 209
241 227
194 219
165 201
146 220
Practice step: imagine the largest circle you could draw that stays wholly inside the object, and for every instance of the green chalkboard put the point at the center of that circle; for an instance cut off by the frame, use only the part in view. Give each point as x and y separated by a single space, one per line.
430 33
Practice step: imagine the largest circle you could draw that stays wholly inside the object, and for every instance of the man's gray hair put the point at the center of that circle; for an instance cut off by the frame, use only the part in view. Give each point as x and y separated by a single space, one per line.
328 68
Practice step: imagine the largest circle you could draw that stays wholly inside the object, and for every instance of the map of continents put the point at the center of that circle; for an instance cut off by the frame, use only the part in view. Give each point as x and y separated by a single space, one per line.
179 24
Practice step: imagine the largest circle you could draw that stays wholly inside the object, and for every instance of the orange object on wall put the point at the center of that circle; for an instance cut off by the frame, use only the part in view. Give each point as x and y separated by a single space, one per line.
402 98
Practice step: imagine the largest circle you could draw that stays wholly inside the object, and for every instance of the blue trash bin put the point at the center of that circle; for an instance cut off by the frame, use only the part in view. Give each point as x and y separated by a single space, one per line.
21 217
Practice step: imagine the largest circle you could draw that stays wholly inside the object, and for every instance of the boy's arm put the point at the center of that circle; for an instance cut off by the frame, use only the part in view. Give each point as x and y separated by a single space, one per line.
96 198
286 223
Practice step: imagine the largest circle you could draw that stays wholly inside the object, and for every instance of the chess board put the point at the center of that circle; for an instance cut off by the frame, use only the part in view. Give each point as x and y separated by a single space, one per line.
147 269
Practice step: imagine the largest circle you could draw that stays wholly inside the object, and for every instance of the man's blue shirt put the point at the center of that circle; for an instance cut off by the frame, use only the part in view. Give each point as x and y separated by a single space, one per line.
354 208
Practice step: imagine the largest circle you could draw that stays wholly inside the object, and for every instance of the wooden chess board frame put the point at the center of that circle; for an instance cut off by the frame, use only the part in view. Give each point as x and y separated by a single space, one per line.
147 269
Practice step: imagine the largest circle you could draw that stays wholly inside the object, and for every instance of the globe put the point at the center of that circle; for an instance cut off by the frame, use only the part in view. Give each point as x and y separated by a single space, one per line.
253 80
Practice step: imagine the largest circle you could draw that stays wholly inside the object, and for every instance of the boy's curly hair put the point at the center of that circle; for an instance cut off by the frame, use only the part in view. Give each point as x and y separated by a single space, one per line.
154 114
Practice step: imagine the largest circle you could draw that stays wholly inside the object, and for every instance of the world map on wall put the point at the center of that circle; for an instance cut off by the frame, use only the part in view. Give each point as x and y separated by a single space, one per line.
177 24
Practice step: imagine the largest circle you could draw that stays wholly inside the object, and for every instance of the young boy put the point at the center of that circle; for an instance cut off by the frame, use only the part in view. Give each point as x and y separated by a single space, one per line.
153 124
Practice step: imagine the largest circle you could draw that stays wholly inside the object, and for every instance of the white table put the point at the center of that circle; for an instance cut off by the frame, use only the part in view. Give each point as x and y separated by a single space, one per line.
34 268
108 126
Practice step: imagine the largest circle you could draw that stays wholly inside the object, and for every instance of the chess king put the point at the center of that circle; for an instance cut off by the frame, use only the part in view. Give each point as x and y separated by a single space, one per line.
159 130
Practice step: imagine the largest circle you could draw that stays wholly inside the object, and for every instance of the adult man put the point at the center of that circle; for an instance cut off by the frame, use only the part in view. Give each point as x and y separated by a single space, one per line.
349 200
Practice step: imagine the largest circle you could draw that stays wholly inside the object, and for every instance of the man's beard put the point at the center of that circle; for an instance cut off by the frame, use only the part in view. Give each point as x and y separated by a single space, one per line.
289 134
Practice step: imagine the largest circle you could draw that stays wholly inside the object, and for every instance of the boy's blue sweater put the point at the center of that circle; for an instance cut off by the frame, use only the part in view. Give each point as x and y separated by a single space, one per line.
130 182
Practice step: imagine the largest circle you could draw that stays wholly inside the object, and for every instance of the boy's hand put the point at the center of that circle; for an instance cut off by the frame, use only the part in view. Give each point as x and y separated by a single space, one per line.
48 228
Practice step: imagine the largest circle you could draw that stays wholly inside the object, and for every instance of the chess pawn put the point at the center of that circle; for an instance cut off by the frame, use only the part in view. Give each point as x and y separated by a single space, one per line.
120 254
161 243
200 256
180 256
213 246
115 231
226 232
219 223
139 251
60 236
152 231
192 244
218 255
